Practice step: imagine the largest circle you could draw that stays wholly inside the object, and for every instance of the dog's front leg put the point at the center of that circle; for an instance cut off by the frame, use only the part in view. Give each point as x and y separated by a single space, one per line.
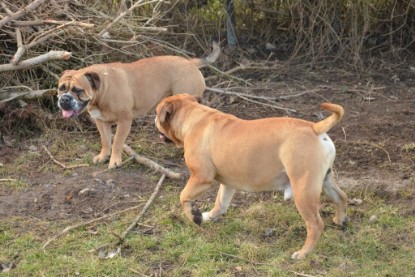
223 199
123 129
193 189
104 129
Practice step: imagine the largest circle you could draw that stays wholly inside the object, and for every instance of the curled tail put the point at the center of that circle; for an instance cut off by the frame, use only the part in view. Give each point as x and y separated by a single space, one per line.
201 62
326 124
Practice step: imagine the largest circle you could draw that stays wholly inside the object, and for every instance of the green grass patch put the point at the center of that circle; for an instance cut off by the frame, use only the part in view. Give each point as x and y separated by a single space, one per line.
235 244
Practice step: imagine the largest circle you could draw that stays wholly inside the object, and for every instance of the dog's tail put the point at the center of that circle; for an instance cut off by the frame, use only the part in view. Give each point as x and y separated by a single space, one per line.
326 124
212 57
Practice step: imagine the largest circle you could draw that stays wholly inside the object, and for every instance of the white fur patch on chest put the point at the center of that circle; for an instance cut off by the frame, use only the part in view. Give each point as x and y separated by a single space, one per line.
96 114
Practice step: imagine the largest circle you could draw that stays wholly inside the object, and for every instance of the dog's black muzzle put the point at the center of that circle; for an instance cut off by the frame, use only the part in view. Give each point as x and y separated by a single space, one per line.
70 105
66 102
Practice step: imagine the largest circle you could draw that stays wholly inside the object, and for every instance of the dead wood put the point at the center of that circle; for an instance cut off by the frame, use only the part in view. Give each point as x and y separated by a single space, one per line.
151 164
32 6
11 93
50 56
59 163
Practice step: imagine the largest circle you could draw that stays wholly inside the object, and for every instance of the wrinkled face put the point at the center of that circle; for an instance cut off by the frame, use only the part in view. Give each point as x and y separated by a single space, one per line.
165 113
75 90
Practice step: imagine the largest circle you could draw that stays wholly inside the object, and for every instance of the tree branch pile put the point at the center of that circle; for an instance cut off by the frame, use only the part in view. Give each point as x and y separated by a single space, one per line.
42 38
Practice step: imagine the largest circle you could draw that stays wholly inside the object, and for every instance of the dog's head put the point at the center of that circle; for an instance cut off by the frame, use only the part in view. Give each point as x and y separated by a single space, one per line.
76 89
167 118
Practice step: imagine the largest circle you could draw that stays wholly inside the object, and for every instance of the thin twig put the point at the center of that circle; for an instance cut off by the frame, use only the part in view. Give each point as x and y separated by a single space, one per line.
121 238
95 174
59 163
136 5
81 224
374 145
245 97
8 180
258 263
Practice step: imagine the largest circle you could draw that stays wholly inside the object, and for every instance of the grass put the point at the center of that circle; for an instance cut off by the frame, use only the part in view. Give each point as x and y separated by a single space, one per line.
237 245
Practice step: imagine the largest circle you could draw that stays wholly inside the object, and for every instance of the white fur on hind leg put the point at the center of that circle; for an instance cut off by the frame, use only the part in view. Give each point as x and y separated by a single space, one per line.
288 193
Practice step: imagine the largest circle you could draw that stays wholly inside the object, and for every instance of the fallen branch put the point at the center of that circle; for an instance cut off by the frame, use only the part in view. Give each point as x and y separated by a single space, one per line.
59 163
50 22
247 98
51 55
151 164
121 238
81 224
248 66
145 208
32 6
21 49
25 95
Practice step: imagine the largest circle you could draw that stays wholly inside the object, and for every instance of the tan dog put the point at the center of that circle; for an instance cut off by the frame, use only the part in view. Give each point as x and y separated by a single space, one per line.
254 155
115 93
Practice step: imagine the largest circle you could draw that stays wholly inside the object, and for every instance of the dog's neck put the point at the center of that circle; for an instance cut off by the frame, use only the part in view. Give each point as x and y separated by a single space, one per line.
184 128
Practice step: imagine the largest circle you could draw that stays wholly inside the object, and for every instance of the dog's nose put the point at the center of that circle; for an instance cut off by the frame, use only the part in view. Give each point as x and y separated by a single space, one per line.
65 102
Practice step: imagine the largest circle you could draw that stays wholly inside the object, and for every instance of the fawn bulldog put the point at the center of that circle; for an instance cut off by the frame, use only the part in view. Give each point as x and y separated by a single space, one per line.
254 155
115 93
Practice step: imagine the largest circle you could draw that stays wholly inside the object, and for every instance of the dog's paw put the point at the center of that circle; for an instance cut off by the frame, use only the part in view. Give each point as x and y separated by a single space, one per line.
206 217
114 163
298 255
197 215
100 158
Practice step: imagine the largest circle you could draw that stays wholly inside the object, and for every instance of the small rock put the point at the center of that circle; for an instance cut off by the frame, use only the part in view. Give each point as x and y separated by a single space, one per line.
270 46
32 148
373 219
395 78
83 191
269 233
356 201
82 148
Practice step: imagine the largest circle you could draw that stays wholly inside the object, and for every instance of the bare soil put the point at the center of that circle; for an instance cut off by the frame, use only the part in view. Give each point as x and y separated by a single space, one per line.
375 146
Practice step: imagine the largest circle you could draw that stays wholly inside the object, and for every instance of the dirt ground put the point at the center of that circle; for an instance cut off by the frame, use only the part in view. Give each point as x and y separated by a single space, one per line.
375 145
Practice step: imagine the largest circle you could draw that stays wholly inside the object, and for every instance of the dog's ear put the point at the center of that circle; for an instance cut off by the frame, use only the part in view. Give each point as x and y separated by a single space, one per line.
166 111
94 79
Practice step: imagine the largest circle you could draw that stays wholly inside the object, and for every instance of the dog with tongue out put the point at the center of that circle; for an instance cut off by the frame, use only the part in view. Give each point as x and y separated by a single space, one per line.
116 93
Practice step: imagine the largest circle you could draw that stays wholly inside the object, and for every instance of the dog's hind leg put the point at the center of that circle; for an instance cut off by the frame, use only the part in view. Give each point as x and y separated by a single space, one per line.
193 189
337 196
307 201
223 199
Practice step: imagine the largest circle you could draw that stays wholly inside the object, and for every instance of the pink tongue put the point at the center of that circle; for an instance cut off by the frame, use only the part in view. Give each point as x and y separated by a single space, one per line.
67 113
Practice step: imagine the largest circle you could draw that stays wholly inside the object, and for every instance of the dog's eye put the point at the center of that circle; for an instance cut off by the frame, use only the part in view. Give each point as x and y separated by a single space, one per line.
77 91
62 87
